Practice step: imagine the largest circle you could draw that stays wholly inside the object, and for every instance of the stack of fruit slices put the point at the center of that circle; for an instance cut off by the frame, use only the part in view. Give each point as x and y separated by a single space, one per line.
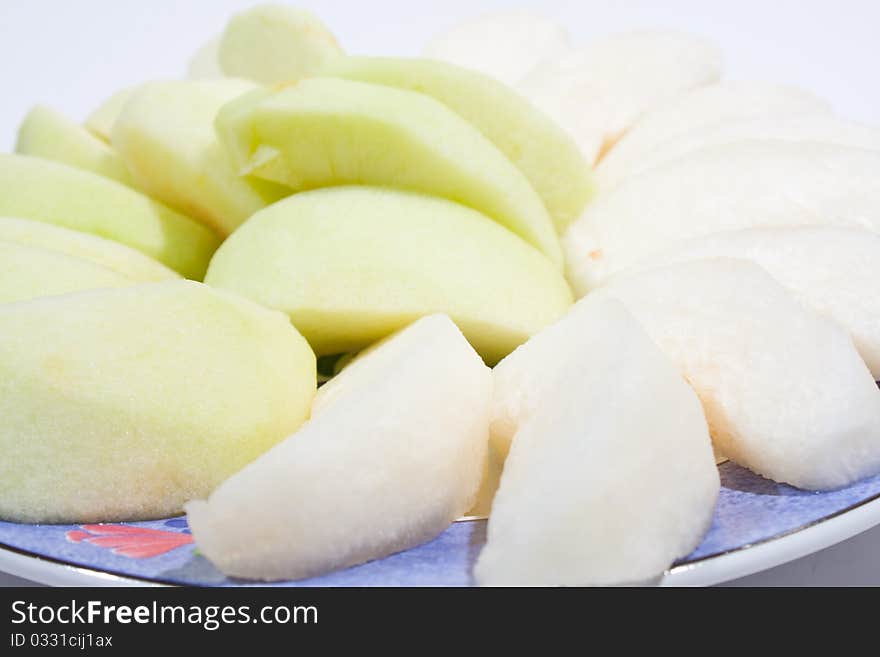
435 216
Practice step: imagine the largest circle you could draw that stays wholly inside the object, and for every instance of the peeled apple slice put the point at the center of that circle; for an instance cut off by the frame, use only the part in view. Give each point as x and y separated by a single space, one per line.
121 405
106 253
705 109
600 421
600 91
205 63
51 135
41 190
101 121
351 265
505 45
749 184
388 463
784 390
324 132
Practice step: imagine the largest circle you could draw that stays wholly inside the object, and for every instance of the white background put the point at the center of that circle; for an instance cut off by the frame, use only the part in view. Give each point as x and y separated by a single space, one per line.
73 54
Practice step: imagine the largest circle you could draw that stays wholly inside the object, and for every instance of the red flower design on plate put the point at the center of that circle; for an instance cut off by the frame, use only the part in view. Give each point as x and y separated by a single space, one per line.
134 542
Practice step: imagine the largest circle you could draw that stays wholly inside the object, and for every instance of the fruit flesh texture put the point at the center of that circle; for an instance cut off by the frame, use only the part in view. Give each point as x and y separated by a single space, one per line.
48 134
327 132
601 421
106 253
274 43
351 265
165 135
749 184
784 390
707 108
540 149
121 405
41 190
389 462
101 121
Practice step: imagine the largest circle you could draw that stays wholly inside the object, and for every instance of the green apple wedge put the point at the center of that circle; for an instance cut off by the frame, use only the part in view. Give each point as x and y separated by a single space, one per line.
324 132
100 121
274 43
165 135
351 265
42 190
542 150
106 253
28 272
124 404
51 135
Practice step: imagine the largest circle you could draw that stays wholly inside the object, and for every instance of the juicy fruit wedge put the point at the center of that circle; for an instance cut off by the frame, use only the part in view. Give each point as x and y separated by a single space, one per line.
540 149
124 404
28 272
51 135
101 121
389 463
274 43
505 45
743 185
783 388
835 271
351 265
205 63
106 253
37 189
601 421
704 109
166 137
325 132
598 92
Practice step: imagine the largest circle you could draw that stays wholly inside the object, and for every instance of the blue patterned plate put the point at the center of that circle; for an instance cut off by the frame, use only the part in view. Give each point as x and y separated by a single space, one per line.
758 524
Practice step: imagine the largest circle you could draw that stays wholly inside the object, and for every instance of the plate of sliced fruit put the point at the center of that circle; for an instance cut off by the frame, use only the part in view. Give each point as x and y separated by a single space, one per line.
520 312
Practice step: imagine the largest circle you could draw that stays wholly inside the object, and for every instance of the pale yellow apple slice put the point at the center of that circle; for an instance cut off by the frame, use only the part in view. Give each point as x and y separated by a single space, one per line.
784 390
41 190
352 264
275 43
51 135
101 120
165 135
600 420
124 404
106 253
539 148
205 62
387 464
324 132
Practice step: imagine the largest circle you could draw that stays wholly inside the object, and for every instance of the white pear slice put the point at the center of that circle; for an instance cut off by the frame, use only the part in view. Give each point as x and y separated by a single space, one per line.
744 185
392 458
817 128
835 271
504 44
598 92
101 121
706 108
602 421
784 390
205 62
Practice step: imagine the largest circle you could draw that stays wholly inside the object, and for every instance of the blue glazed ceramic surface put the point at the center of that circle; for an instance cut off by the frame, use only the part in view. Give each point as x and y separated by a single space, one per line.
750 510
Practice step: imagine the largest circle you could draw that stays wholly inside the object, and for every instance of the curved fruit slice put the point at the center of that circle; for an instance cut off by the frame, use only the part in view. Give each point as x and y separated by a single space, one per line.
124 404
351 265
51 135
388 464
101 121
41 190
598 92
783 388
28 272
593 403
835 271
166 137
106 253
325 132
745 185
274 43
505 45
538 147
704 109
205 62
